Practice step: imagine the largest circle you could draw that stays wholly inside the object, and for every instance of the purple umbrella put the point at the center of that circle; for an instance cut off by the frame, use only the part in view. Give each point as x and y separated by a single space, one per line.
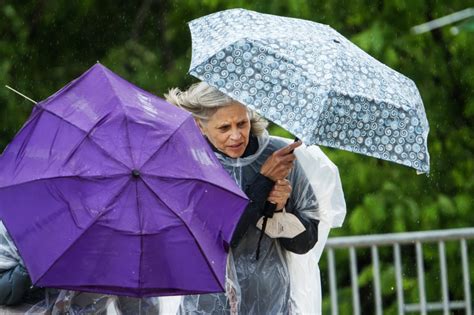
108 188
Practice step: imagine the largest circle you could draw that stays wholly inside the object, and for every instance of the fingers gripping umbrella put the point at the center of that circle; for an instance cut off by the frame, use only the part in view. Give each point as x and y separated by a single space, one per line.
312 81
110 189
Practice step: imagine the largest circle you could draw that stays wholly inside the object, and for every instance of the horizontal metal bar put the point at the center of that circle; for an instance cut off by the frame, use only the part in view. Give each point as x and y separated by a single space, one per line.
438 306
400 238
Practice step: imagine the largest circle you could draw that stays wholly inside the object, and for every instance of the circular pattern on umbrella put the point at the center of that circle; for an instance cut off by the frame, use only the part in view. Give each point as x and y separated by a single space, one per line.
313 82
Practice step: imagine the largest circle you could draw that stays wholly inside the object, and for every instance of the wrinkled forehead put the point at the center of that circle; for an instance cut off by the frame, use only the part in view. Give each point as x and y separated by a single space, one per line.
233 111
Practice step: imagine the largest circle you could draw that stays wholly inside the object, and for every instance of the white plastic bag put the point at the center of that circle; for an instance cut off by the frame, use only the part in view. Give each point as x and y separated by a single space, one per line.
282 224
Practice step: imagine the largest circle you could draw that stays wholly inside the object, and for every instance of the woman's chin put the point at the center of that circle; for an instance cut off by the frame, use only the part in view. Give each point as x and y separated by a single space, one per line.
234 153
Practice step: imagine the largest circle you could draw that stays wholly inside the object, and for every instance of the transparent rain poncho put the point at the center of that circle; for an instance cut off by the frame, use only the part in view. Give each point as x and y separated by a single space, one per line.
75 303
257 286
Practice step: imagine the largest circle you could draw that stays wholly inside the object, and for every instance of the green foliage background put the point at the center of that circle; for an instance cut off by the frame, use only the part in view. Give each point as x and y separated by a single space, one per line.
45 44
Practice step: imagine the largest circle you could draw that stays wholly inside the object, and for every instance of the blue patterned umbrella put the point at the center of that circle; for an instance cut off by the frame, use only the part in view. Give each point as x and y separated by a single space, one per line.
312 81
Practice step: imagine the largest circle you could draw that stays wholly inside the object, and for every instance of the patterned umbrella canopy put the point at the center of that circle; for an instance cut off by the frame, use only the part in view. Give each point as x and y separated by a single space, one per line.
312 81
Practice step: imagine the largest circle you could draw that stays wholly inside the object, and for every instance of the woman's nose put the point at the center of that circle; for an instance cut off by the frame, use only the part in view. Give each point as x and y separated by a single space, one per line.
235 135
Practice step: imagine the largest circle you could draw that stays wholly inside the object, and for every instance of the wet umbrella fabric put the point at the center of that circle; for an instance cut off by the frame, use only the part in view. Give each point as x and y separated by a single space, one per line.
312 81
110 189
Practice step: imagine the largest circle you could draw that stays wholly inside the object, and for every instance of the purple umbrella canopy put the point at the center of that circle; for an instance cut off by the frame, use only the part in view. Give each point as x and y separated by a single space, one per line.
108 188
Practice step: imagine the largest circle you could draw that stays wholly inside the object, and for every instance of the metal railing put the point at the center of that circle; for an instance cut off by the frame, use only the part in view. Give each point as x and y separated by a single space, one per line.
408 243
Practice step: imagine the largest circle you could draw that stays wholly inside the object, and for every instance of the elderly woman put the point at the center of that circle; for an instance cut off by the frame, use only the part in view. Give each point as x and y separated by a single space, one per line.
266 169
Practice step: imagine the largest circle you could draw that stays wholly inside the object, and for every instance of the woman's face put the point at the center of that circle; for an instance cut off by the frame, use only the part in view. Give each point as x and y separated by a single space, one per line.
228 129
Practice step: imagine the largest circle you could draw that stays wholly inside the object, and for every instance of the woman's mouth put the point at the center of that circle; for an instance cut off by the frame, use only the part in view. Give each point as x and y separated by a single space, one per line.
235 146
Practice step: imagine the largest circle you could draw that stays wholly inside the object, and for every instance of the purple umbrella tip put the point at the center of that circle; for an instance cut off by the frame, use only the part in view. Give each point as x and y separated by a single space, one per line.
136 173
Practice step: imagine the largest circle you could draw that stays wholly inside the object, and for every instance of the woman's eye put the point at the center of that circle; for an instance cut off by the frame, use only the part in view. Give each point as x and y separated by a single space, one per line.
224 128
242 124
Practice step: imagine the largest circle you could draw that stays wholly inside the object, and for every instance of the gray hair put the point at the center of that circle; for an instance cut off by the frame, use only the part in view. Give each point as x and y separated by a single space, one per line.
203 100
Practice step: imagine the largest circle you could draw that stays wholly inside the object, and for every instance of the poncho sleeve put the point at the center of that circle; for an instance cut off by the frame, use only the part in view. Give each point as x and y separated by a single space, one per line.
258 192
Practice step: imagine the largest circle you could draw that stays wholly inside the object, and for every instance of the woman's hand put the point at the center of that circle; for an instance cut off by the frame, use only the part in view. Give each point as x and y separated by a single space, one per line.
280 193
279 164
